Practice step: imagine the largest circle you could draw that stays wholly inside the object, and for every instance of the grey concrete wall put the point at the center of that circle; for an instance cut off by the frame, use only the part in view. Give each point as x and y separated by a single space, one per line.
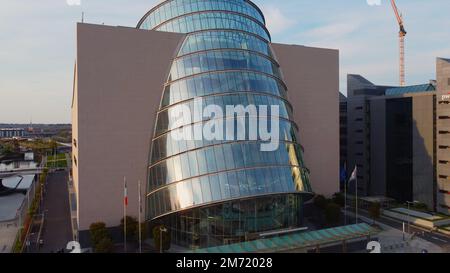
443 140
312 77
423 149
378 147
118 86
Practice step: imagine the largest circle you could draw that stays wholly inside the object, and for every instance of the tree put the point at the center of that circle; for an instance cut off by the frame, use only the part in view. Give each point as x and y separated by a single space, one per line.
7 148
165 237
320 201
332 213
144 231
105 245
98 232
375 211
132 227
339 199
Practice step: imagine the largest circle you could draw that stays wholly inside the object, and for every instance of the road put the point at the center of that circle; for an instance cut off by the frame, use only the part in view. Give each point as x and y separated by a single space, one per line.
430 236
57 230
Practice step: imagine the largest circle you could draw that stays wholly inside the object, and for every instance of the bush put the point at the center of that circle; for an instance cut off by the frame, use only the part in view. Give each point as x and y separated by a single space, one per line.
320 201
339 199
332 213
165 238
105 245
98 233
144 231
420 206
132 227
375 210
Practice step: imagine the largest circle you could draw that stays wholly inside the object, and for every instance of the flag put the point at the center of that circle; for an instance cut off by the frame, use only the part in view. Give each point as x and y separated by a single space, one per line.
354 174
125 194
343 175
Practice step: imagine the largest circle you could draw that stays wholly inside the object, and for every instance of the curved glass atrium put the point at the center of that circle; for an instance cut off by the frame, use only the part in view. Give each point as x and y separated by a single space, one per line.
213 192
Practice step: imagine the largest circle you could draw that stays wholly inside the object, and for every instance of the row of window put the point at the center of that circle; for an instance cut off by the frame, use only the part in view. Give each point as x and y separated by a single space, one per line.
214 20
168 145
170 118
221 158
223 82
201 41
177 8
226 186
229 222
219 60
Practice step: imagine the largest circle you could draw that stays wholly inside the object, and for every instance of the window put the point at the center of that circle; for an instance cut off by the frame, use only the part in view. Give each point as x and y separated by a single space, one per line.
243 183
202 167
233 184
215 188
193 165
185 166
74 142
206 189
220 158
75 160
197 191
211 160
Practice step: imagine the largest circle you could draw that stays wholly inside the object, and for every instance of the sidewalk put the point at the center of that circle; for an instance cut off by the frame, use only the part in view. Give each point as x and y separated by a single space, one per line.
391 240
8 233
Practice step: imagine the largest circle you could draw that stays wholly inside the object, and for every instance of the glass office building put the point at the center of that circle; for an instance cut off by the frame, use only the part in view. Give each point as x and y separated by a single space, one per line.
222 191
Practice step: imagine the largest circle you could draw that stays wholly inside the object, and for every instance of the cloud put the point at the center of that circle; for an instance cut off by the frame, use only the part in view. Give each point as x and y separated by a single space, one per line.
331 31
276 20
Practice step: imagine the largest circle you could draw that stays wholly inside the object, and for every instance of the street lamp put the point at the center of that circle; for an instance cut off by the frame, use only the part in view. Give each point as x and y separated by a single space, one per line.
409 216
161 230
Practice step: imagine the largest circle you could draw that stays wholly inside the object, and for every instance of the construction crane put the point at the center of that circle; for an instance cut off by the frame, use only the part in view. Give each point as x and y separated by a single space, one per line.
401 35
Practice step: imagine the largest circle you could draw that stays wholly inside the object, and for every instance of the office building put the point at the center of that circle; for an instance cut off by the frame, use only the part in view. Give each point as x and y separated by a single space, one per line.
130 81
443 135
397 139
11 132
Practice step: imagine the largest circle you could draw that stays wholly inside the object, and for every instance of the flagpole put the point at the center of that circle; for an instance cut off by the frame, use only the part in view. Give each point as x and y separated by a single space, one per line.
140 211
345 201
356 199
125 214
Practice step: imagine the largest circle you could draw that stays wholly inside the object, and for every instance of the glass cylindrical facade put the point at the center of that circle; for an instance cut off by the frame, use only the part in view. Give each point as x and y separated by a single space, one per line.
211 192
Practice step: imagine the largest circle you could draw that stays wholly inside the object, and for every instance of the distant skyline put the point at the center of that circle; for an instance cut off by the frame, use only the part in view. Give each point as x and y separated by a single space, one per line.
37 45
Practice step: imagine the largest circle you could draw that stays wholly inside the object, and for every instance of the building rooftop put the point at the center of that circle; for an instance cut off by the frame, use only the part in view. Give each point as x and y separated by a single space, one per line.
18 182
9 205
411 89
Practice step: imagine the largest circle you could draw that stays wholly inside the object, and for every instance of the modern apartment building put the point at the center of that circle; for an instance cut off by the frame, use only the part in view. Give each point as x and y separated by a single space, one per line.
129 83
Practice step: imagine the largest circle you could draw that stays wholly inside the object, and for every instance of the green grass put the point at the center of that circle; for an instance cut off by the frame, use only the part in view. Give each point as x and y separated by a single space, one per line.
57 164
60 161
58 157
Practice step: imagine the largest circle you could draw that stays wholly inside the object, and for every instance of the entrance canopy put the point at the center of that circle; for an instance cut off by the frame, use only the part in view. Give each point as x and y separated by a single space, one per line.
296 241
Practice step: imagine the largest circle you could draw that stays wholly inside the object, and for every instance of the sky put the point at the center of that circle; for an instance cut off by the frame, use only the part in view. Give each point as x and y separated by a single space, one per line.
37 43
